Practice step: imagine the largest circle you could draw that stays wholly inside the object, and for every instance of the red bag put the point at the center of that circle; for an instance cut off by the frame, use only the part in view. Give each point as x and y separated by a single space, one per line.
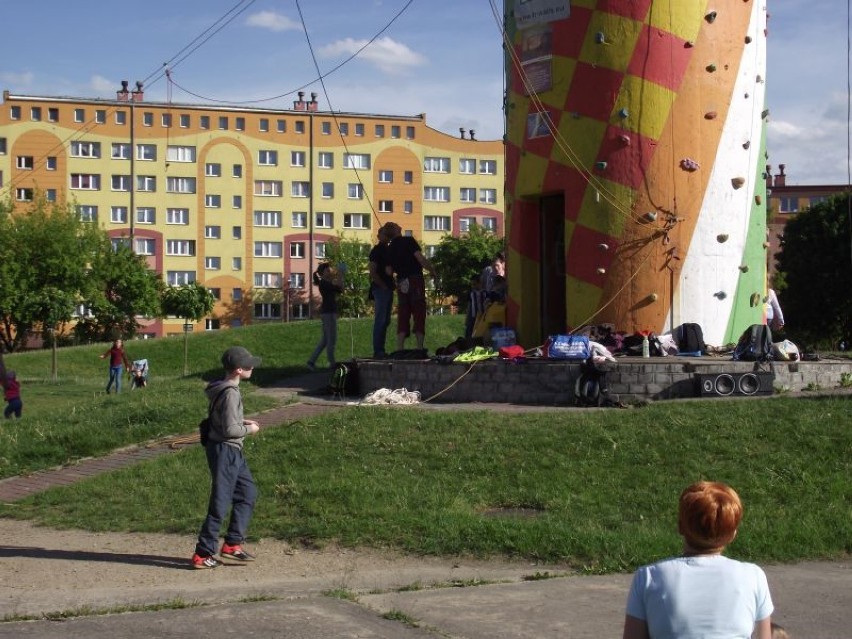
511 352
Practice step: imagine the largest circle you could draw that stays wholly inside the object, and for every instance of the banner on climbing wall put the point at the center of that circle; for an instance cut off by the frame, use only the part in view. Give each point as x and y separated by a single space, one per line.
536 59
530 12
539 124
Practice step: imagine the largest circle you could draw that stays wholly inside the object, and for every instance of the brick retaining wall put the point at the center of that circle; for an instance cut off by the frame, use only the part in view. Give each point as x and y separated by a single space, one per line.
549 382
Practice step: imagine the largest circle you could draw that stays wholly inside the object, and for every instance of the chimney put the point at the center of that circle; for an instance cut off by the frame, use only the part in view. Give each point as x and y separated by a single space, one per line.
138 93
299 105
461 131
472 133
313 105
123 95
781 178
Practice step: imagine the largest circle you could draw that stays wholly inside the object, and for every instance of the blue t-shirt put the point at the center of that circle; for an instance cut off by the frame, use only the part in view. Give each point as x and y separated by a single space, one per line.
708 596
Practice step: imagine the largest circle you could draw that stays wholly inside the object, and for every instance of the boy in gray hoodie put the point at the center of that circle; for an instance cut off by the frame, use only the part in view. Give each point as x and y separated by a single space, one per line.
232 486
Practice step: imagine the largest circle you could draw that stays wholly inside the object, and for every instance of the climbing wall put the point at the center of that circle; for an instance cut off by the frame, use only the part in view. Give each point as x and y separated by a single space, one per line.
647 118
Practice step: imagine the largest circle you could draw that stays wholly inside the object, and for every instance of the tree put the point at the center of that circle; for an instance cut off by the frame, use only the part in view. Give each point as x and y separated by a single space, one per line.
815 265
191 302
354 257
119 288
457 259
44 257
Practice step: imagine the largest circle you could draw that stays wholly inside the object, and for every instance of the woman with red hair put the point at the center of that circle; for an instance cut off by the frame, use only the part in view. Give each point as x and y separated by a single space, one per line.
701 593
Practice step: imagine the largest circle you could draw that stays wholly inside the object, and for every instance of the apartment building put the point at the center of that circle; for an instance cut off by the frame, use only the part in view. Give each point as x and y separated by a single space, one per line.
785 201
245 200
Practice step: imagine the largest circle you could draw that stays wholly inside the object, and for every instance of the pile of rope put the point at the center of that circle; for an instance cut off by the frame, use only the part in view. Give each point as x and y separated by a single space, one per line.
388 396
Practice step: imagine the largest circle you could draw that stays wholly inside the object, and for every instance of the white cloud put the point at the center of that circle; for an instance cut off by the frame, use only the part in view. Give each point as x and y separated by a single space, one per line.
100 84
386 54
272 21
17 79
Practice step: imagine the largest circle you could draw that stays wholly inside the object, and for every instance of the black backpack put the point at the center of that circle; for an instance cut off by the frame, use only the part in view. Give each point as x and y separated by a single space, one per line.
592 386
690 339
755 344
344 380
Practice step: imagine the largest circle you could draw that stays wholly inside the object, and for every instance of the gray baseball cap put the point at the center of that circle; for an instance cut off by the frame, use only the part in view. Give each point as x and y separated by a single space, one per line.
239 357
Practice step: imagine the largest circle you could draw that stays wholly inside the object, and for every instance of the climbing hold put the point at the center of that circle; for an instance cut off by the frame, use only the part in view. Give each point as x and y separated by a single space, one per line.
575 115
764 113
737 182
754 300
623 113
689 165
745 95
710 115
653 297
759 79
758 200
722 238
600 165
624 139
744 268
600 38
688 44
601 270
603 247
766 245
710 68
748 39
710 17
651 216
746 144
720 295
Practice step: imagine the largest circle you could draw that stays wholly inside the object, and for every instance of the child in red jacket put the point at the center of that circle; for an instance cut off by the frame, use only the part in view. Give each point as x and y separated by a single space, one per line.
12 395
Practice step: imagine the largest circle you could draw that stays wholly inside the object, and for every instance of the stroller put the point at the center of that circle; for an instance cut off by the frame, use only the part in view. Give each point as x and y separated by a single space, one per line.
139 374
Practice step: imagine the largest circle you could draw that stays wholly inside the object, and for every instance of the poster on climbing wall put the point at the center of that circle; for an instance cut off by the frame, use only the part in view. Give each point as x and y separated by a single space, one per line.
530 12
539 124
538 75
536 44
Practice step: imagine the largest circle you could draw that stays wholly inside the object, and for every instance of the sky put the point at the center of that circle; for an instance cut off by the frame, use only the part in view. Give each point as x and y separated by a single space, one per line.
439 57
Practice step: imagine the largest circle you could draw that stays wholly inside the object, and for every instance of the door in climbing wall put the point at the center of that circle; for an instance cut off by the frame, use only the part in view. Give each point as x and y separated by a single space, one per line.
552 250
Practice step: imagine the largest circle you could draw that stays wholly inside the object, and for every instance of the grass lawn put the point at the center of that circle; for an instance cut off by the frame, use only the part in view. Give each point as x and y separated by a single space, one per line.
596 489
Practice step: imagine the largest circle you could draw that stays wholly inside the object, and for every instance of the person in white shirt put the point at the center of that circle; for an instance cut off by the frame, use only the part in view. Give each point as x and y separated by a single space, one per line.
774 316
701 593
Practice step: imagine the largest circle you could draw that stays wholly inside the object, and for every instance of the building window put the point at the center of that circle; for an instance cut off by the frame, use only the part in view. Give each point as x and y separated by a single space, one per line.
180 278
267 218
120 151
359 129
355 191
436 193
213 169
436 165
166 120
35 114
121 118
267 311
320 250
120 182
86 181
299 219
180 247
267 249
356 221
408 207
299 311
146 215
267 280
85 149
296 280
236 264
204 122
385 206
15 113
489 224
467 166
409 132
436 223
325 128
266 157
267 188
237 171
212 263
300 126
237 232
237 294
465 223
180 185
359 161
380 130
79 115
328 190
216 293
223 123
100 116
408 177
25 162
145 246
213 232
263 125
325 160
146 152
297 158
237 202
488 167
180 154
324 220
386 177
212 201
184 120
395 132
177 216
24 195
488 196
281 126
817 199
240 124
297 249
52 114
87 213
118 214
148 119
211 323
300 189
343 127
467 195
146 183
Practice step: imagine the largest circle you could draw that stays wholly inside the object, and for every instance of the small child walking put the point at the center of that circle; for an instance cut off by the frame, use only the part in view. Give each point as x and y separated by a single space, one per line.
12 395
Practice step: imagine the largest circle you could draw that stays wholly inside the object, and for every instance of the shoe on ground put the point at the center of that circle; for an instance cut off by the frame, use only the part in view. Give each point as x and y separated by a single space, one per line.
235 552
202 563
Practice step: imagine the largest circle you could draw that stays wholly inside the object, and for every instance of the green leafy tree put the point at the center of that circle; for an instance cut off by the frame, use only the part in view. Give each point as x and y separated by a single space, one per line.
815 264
119 288
192 302
457 259
354 255
45 254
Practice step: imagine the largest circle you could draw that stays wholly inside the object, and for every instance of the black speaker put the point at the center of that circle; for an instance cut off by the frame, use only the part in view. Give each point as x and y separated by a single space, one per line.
727 384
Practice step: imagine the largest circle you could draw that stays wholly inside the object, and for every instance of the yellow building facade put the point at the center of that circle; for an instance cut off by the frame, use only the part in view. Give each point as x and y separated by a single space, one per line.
245 201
